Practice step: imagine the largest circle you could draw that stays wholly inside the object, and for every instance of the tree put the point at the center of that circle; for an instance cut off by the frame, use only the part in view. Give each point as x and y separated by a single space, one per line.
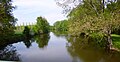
94 16
69 5
26 31
42 25
61 25
7 20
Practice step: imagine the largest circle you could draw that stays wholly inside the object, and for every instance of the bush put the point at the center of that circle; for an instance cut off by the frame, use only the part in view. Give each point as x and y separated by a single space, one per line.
26 31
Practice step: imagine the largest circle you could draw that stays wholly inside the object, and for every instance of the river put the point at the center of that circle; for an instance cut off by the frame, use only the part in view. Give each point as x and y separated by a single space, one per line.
53 48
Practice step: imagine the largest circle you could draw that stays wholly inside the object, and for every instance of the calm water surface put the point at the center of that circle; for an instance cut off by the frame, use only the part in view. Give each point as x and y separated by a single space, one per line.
53 48
54 51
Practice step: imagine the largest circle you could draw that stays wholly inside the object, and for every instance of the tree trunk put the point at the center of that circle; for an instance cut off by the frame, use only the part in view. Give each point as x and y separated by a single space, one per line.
103 5
109 39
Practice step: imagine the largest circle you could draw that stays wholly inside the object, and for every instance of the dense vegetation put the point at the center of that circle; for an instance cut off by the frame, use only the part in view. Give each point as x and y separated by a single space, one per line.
26 31
7 20
42 26
96 18
61 25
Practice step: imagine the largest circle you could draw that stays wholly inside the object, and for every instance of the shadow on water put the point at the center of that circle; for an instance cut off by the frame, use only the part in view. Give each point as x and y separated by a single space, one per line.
7 40
9 53
82 49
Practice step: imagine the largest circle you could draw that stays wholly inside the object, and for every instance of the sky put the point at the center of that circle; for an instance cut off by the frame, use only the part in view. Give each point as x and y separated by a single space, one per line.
27 11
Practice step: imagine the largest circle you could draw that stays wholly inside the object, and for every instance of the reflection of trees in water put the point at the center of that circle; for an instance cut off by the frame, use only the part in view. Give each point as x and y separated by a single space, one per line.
42 40
28 42
9 54
59 33
88 51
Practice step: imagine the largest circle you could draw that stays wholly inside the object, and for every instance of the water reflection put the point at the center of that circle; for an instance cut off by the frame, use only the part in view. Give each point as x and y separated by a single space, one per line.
42 40
59 49
60 33
49 54
27 42
87 51
9 53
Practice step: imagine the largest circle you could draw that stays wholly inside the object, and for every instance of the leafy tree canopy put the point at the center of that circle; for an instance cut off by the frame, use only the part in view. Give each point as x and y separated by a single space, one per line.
7 20
42 25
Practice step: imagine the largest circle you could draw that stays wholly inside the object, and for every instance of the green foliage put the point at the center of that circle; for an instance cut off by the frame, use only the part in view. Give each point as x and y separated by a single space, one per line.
61 25
116 40
90 18
18 32
51 28
26 31
7 20
42 25
96 18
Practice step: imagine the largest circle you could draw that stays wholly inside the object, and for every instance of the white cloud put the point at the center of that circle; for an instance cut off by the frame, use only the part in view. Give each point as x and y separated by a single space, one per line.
29 10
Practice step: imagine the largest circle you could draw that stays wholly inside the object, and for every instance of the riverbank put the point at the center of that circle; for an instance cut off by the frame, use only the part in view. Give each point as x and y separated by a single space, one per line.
18 36
116 40
5 40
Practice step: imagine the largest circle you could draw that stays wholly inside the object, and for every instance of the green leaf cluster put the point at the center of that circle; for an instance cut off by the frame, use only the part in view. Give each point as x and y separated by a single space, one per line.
7 20
61 25
94 16
42 26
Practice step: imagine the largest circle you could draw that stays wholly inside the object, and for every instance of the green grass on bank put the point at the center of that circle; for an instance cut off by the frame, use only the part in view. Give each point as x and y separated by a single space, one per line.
116 40
18 32
115 35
